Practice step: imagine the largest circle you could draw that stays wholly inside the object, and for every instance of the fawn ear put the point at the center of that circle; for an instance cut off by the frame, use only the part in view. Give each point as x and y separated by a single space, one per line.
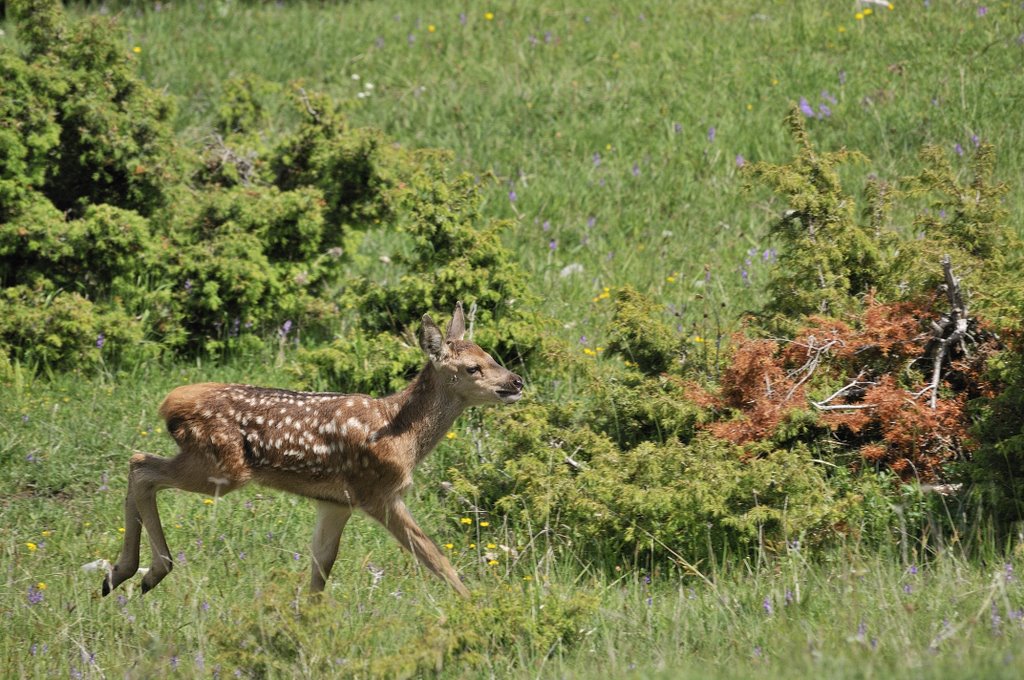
430 340
457 328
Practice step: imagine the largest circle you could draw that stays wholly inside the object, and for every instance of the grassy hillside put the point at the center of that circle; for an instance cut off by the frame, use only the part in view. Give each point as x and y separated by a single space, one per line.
612 136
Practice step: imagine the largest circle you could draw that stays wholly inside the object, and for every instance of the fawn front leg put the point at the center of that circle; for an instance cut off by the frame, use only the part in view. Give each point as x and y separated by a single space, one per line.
330 522
396 517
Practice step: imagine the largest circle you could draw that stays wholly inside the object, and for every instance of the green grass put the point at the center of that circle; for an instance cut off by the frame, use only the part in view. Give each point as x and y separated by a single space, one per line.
530 97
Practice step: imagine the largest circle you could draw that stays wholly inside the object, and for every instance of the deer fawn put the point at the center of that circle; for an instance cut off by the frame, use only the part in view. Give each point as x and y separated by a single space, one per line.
344 451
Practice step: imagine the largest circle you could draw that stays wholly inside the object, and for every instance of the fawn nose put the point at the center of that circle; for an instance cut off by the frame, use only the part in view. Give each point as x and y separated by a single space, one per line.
517 382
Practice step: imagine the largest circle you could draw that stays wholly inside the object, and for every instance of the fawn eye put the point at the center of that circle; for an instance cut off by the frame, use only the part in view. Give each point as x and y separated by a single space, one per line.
472 370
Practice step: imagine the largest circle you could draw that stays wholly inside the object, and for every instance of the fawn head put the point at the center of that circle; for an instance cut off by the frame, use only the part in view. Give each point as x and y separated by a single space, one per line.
469 372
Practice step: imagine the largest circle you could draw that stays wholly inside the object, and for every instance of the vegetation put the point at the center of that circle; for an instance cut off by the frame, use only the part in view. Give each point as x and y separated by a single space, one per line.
771 430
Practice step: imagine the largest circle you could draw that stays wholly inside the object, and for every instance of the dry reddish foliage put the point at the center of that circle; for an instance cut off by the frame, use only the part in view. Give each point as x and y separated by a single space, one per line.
885 415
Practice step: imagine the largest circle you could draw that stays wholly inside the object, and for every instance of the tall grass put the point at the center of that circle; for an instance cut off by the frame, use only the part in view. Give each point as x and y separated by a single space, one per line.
619 129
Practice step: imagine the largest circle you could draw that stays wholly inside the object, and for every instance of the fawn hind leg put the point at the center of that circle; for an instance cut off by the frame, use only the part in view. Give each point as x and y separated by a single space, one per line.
128 560
148 475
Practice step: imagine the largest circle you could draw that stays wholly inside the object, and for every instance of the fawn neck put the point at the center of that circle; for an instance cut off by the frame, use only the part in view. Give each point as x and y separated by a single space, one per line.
426 410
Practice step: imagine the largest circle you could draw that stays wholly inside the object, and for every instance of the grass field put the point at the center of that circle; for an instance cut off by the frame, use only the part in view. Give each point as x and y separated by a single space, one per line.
614 133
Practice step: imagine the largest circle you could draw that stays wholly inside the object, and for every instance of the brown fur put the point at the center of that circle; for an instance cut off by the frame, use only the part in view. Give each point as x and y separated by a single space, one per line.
347 451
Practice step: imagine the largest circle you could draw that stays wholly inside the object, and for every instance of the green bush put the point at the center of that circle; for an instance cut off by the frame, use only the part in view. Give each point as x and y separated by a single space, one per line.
202 248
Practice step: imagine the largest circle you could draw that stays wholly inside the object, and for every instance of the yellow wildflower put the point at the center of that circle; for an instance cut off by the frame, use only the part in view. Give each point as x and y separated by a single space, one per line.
697 338
431 28
207 501
472 545
449 546
485 524
41 585
31 546
842 29
750 107
493 563
868 11
858 16
891 6
46 533
491 546
120 530
607 147
670 279
527 578
466 520
137 49
451 435
489 16
775 81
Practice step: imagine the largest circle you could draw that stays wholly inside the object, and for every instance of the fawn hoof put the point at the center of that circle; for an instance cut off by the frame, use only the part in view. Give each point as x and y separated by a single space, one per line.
106 587
146 587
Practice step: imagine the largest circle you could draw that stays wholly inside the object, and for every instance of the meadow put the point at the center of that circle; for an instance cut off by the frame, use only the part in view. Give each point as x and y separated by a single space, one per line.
611 136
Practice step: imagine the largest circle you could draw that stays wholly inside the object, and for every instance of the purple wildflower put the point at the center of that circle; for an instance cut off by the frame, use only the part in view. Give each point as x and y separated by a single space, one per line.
740 160
997 620
512 196
296 556
205 606
805 107
907 588
411 39
745 277
650 601
982 11
583 339
711 133
35 596
789 597
824 111
180 559
200 663
677 127
758 652
591 221
553 243
959 149
462 18
174 661
597 159
548 37
636 169
101 340
827 96
286 328
546 226
24 417
1008 572
767 605
912 570
379 42
188 285
862 631
976 140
